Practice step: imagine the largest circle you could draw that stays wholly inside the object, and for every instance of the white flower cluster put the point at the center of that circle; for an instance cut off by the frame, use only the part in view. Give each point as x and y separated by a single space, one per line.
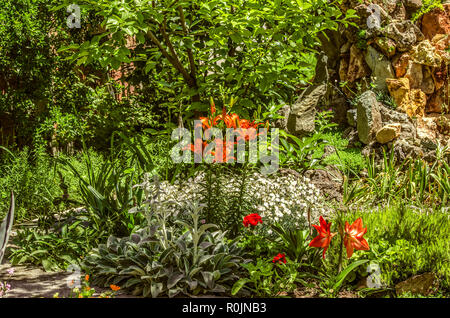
279 198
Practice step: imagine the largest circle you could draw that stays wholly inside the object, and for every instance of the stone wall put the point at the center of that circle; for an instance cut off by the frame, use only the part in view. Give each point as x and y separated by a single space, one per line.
388 77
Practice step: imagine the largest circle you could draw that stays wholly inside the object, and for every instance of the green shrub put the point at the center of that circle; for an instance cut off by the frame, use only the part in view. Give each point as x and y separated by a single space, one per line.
54 250
32 177
186 258
406 241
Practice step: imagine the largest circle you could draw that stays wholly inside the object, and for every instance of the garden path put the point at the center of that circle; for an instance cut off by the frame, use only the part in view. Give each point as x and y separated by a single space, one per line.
33 282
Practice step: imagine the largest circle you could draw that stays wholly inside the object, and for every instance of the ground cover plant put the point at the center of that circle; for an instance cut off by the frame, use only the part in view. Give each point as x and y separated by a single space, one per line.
225 148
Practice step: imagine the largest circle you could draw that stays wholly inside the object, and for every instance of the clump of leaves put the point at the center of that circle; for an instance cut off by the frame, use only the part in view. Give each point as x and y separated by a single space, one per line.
52 251
165 257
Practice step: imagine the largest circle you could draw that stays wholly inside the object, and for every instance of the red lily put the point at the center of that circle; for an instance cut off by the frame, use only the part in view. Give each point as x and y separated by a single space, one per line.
252 219
324 238
280 258
353 237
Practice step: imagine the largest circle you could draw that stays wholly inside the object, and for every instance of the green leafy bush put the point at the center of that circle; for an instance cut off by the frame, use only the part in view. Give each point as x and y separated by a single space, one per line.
266 279
52 250
30 174
170 253
405 241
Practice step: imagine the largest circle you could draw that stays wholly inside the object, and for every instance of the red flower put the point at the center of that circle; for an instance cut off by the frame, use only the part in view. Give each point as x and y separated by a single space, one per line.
252 219
353 237
324 238
279 258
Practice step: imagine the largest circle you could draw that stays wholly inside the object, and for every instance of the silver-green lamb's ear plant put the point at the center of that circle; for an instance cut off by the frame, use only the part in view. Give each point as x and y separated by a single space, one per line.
5 227
167 257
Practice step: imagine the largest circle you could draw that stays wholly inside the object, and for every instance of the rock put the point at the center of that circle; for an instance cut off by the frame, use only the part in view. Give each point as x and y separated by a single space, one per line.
328 151
427 85
404 33
411 101
346 47
441 42
343 68
368 117
440 76
386 45
443 124
399 90
436 21
426 131
282 122
420 284
328 181
351 117
400 63
425 53
303 112
388 133
435 102
408 130
414 74
418 103
357 68
388 5
351 134
381 67
399 12
404 150
412 6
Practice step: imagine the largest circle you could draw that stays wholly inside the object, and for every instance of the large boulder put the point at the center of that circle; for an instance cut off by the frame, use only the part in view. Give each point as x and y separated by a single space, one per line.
410 101
427 85
399 90
404 33
381 67
412 6
436 21
303 112
423 284
426 54
414 74
368 117
408 131
400 64
357 67
386 45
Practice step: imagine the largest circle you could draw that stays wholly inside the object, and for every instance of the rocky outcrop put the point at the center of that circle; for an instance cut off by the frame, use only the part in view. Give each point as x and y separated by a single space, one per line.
404 62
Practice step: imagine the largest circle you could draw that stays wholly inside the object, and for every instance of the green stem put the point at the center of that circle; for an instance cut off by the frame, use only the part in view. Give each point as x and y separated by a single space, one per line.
340 253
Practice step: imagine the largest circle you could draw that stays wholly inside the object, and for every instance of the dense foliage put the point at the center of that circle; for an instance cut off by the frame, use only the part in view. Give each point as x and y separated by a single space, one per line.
85 143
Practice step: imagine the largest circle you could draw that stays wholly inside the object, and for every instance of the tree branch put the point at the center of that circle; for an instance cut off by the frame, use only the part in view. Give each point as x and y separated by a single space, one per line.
173 60
189 51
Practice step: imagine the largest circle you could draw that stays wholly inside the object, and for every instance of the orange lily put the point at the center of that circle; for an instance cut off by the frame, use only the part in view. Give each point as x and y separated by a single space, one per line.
324 238
224 150
353 237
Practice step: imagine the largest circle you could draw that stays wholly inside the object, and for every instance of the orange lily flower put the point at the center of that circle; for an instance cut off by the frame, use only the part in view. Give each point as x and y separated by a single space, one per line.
353 237
224 150
114 287
324 238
